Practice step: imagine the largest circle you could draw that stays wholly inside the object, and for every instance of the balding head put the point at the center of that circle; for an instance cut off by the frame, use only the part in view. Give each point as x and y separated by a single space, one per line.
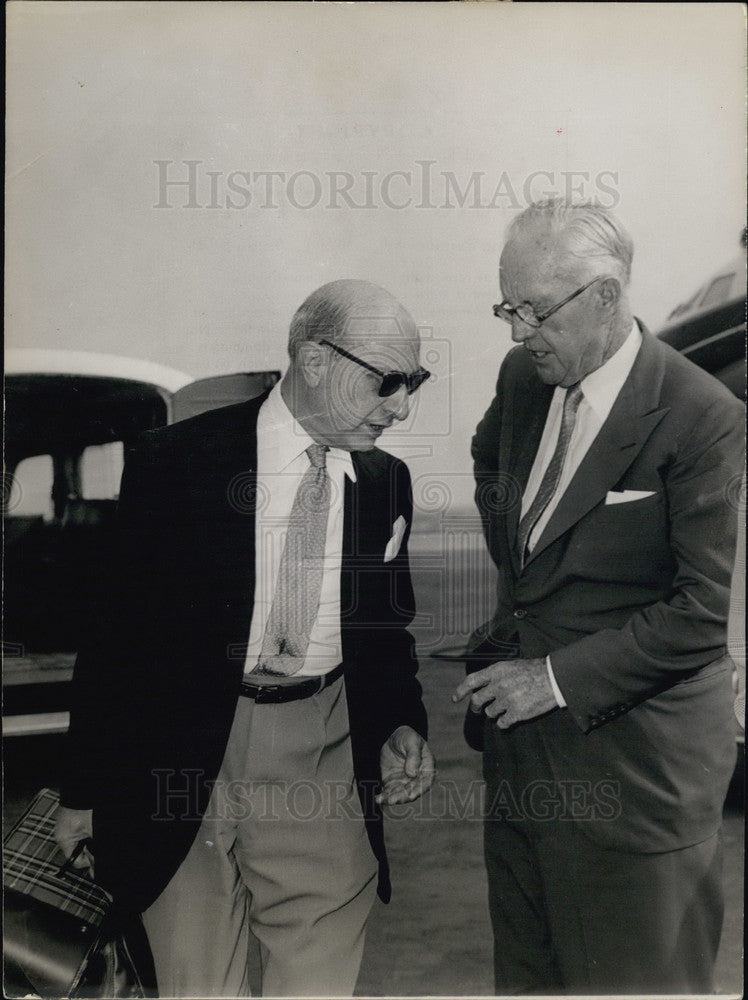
344 311
336 396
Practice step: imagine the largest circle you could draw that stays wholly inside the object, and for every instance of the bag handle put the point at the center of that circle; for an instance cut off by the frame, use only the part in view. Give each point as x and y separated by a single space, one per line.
83 843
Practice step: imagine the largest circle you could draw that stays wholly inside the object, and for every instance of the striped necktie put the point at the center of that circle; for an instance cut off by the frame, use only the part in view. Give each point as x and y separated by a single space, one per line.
552 474
299 584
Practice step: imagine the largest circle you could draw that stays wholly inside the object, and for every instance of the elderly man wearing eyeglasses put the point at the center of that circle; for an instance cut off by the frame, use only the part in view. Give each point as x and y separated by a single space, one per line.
600 690
250 701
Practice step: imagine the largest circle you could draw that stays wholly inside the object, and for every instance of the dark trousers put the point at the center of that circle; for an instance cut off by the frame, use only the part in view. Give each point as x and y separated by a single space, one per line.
570 915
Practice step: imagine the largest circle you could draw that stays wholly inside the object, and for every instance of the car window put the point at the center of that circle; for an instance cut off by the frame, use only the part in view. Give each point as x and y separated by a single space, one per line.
684 307
31 489
101 471
718 292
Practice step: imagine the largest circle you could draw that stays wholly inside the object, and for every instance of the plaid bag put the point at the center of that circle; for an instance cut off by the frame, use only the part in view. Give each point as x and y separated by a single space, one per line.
58 935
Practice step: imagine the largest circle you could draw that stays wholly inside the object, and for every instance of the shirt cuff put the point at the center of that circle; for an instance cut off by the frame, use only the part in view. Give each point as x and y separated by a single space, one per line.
556 690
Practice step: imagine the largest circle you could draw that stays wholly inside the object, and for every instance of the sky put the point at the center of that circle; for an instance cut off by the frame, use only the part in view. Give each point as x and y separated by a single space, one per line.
179 176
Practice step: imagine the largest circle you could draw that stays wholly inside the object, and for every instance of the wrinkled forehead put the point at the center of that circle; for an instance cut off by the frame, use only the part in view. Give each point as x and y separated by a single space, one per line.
390 342
534 262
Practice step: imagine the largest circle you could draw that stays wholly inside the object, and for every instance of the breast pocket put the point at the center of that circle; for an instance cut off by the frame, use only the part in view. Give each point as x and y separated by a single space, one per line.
625 541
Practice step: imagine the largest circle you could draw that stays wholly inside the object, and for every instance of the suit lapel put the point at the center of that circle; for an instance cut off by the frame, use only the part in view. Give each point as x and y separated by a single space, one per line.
635 414
350 534
524 423
367 516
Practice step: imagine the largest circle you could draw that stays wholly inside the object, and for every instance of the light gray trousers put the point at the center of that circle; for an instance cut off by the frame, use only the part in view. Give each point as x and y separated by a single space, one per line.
282 850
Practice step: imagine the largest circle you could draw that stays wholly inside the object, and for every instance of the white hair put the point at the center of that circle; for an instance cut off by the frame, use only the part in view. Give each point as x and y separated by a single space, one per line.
590 233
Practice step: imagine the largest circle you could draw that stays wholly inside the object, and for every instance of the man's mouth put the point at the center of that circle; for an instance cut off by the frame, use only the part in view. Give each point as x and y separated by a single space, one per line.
538 355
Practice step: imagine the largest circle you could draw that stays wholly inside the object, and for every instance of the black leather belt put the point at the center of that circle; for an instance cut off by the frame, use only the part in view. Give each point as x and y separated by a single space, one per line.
276 694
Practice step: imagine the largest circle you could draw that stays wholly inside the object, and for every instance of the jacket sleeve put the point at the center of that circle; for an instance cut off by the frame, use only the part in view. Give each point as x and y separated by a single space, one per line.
610 671
407 707
485 454
387 647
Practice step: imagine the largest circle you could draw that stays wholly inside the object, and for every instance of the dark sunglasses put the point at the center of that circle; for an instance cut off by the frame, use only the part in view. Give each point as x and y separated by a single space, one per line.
391 381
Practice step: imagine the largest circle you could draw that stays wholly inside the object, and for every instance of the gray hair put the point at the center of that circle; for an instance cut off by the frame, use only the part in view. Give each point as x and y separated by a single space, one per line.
591 234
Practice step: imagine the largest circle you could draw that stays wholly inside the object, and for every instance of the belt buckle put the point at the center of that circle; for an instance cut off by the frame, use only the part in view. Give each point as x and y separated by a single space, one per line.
267 692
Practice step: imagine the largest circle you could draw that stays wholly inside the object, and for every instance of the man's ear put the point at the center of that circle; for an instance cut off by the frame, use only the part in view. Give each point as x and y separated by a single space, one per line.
609 292
312 361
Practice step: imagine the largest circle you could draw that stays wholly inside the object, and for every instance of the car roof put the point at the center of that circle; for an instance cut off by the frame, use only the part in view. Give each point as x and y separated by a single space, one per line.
33 361
732 289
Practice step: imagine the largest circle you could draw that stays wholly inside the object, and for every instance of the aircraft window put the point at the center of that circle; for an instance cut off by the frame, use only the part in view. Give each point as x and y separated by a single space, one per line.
718 292
31 491
101 471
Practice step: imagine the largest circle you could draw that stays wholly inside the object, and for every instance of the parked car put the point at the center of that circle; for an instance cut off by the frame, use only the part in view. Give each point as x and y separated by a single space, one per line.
709 328
69 417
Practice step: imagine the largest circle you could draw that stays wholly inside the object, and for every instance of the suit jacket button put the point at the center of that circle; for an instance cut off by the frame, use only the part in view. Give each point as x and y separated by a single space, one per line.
520 613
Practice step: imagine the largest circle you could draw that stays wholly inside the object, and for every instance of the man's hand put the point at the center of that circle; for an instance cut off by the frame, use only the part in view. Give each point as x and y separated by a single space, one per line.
71 826
509 691
407 767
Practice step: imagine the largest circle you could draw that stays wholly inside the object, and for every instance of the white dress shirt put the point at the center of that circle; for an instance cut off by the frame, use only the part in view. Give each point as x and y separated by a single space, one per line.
600 390
281 464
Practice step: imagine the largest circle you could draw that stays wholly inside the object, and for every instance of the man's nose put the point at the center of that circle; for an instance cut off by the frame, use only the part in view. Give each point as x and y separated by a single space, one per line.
398 404
521 331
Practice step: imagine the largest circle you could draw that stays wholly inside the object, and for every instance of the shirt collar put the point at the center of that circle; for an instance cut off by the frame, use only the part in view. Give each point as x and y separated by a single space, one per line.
281 438
601 387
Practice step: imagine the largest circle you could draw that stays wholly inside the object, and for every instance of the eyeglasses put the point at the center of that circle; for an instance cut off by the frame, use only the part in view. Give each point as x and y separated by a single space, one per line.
528 315
391 381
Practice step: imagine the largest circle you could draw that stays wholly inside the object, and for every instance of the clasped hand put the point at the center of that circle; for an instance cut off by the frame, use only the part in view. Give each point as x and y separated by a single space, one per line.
72 826
509 691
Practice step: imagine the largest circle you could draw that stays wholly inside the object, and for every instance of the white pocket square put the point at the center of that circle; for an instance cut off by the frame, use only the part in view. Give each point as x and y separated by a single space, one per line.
626 496
393 546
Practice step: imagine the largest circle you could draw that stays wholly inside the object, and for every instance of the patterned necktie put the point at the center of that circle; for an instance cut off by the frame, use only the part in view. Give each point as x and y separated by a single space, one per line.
552 474
297 589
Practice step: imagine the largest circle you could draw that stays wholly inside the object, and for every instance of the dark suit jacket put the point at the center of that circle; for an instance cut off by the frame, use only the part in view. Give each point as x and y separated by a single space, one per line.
156 687
630 599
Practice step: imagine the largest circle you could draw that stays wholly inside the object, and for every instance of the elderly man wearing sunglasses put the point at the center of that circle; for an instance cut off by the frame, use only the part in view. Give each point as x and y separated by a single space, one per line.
354 363
255 674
